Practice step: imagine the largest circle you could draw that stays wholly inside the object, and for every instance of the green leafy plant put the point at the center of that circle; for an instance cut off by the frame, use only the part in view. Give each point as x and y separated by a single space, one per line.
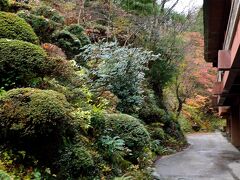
158 147
4 175
37 175
165 67
141 7
2 91
82 119
124 177
112 145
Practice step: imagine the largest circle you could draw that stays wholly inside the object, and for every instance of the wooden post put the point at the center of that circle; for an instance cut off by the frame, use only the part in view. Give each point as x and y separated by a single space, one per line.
228 129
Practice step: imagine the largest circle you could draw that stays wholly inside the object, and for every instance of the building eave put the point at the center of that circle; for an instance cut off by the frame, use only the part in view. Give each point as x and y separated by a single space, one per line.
216 14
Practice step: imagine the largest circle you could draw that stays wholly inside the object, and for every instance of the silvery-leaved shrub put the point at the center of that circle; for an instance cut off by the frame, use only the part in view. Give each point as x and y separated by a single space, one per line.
120 70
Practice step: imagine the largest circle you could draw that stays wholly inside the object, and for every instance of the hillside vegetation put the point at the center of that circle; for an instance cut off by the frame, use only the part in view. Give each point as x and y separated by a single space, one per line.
92 89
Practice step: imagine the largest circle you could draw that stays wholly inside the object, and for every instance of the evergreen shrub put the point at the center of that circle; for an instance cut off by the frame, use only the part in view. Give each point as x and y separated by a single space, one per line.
43 27
21 62
75 162
34 120
129 129
78 31
18 6
14 27
68 42
49 13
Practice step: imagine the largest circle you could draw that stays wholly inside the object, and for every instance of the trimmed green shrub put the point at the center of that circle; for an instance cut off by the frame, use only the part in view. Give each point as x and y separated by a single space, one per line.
71 40
49 13
75 29
17 6
4 5
129 129
43 27
14 27
151 113
78 31
68 42
34 120
21 62
156 131
75 162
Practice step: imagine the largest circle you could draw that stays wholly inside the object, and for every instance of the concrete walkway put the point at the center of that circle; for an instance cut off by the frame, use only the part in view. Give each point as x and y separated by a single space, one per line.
210 157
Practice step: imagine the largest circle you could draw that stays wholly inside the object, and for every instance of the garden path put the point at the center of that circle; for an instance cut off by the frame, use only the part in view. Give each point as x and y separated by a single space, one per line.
209 157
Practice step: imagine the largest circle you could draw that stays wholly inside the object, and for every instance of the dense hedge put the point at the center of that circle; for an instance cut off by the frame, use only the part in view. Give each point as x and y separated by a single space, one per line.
129 129
34 120
21 62
14 27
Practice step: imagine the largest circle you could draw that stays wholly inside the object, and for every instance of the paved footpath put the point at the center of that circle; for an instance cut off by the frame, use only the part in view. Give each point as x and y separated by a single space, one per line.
210 157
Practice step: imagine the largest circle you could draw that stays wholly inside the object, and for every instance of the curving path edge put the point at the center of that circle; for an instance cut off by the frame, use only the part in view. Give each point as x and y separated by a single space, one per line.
209 157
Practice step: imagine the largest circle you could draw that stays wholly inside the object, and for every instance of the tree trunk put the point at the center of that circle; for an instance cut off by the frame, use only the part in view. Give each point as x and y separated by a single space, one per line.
163 6
80 5
180 101
180 106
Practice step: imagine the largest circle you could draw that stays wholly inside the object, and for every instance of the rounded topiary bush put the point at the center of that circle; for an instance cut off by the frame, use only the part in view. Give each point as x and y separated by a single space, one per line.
151 113
14 27
21 63
4 5
75 162
78 31
43 27
129 129
34 120
156 131
68 42
75 29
